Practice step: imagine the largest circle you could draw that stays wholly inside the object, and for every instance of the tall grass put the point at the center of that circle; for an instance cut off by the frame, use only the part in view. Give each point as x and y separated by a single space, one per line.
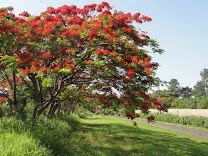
15 140
44 137
14 144
197 121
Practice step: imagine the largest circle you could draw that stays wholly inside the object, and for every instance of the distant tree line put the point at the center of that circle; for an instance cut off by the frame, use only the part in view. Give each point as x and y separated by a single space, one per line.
176 96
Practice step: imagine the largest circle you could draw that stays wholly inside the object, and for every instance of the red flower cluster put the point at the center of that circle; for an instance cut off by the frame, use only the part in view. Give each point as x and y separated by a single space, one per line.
151 119
47 55
131 73
2 99
25 14
24 58
102 52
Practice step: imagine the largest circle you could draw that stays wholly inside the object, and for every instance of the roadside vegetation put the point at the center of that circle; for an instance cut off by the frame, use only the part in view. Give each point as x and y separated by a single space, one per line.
195 121
94 135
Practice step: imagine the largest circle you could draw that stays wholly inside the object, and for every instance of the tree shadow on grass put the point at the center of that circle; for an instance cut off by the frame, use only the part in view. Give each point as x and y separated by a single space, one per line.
66 137
118 139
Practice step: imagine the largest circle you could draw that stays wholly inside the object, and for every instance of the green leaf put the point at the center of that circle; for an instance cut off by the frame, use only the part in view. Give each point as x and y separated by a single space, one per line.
10 61
47 83
39 75
84 34
99 62
64 71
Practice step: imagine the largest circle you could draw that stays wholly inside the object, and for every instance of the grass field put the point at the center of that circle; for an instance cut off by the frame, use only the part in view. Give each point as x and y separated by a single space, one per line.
113 136
95 136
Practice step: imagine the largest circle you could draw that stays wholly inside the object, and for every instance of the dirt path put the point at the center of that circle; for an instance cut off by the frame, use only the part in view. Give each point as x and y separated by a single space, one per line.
186 130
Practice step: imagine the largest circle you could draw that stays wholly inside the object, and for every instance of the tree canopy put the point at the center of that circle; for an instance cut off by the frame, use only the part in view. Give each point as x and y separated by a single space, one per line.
93 49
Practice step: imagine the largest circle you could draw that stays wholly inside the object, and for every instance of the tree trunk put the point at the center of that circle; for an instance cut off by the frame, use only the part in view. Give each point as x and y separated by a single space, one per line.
35 111
54 109
51 109
15 102
43 108
37 98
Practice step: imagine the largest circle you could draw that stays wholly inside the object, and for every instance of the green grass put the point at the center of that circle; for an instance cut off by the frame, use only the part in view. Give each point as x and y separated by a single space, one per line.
94 136
13 144
16 141
45 137
117 137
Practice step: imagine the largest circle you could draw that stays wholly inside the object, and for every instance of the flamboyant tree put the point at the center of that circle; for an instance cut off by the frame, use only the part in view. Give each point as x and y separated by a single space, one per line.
91 48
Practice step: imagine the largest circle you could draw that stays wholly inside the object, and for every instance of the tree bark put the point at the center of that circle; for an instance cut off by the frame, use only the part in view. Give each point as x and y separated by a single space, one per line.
37 98
55 107
51 109
15 102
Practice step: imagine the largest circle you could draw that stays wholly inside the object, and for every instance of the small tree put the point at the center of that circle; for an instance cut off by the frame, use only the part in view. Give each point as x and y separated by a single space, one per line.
174 88
185 92
201 87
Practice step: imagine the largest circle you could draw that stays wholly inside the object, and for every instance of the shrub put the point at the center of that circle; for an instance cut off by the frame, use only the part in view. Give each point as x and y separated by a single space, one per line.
184 103
203 103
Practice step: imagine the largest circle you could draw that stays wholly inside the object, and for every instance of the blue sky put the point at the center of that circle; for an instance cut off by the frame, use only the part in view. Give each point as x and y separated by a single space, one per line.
180 26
